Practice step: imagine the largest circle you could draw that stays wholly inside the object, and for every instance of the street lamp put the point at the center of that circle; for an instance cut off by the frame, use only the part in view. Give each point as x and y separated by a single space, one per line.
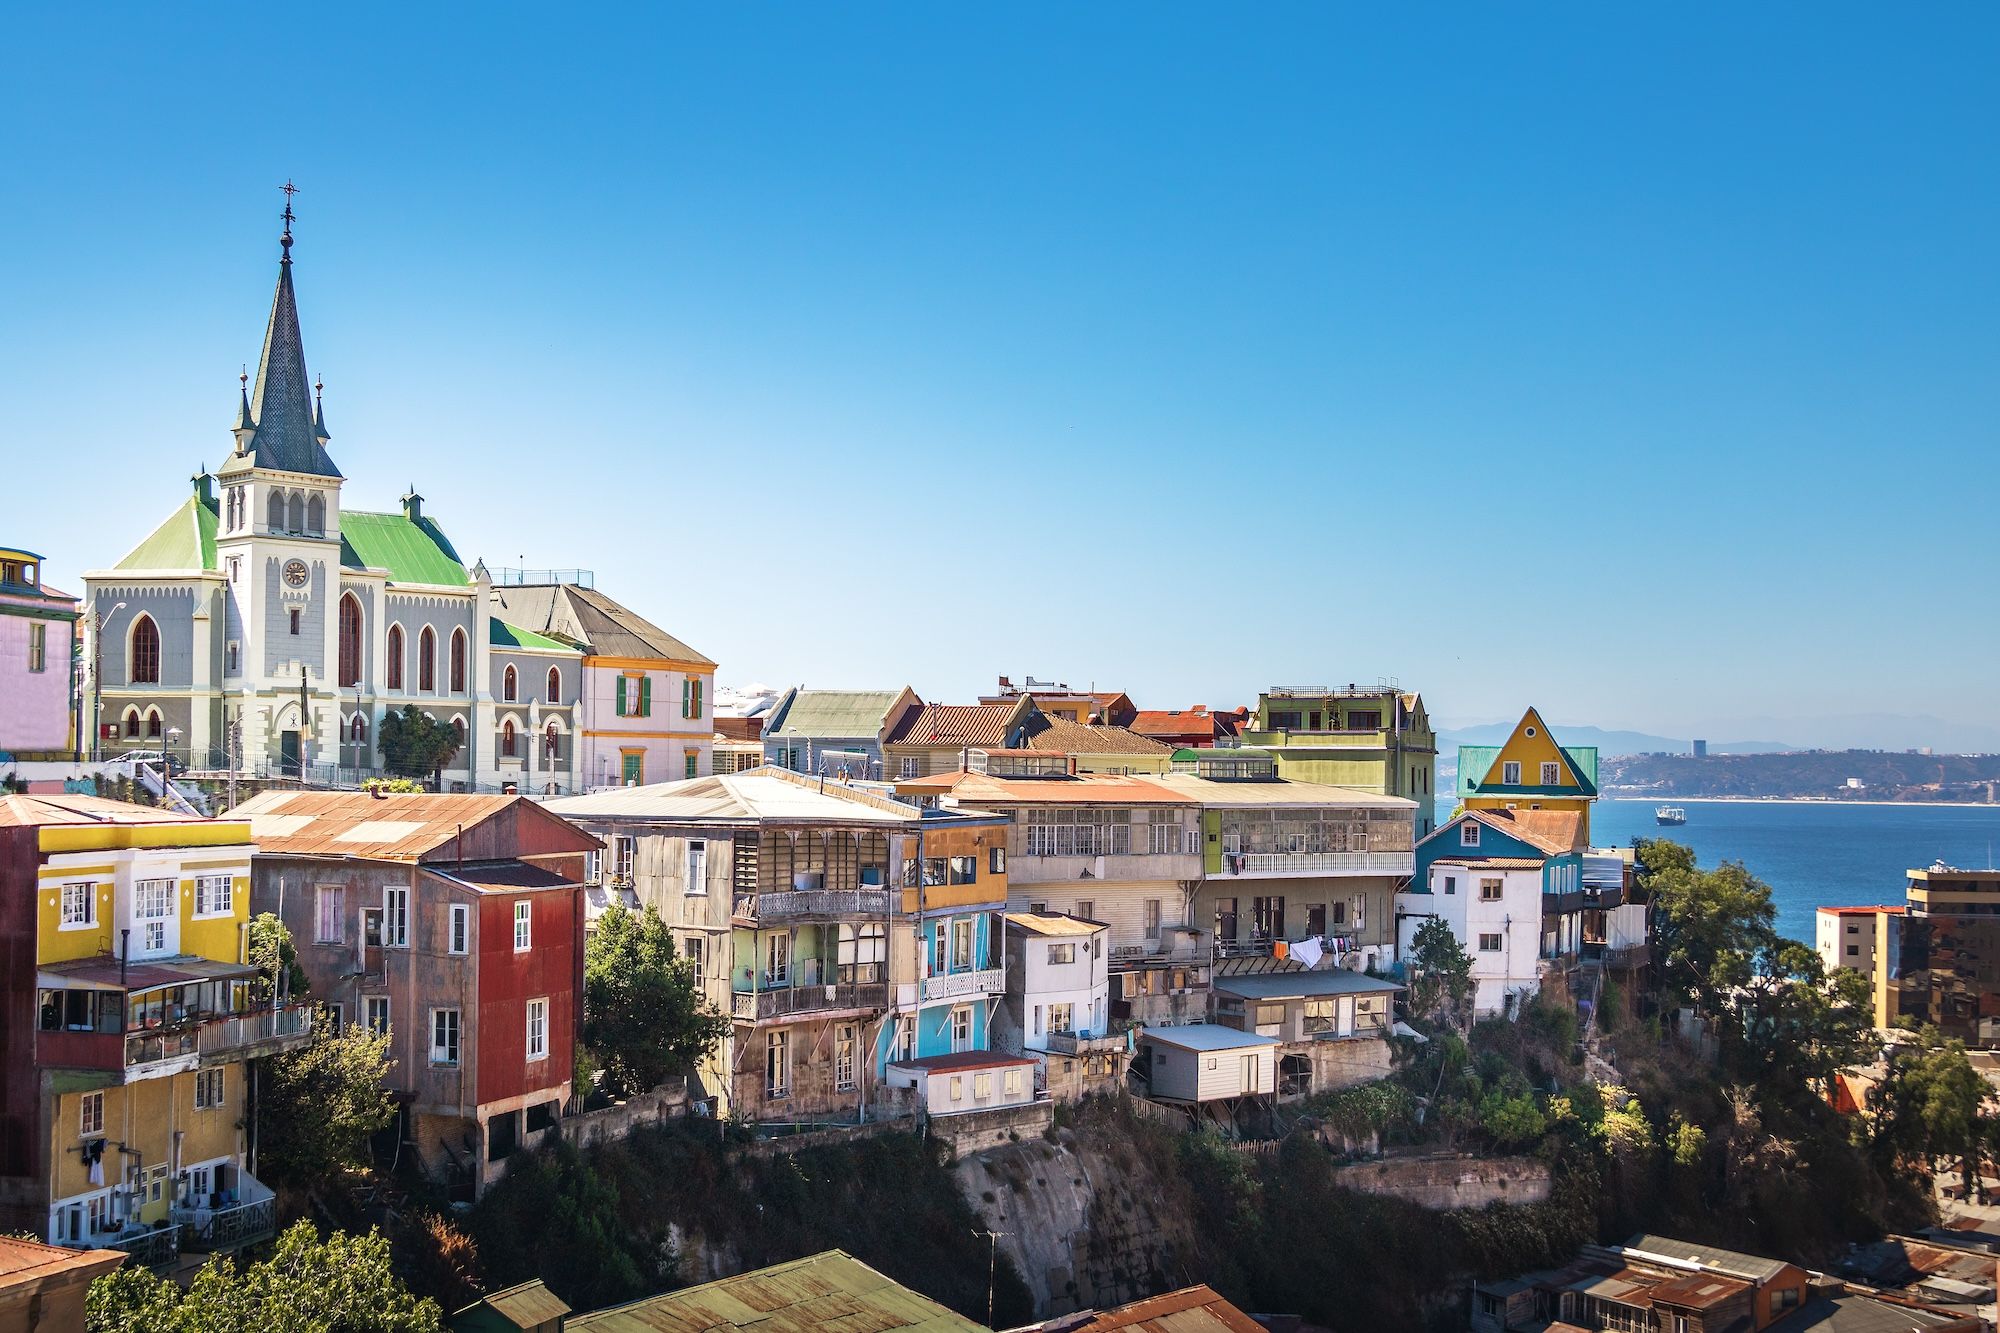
173 743
97 619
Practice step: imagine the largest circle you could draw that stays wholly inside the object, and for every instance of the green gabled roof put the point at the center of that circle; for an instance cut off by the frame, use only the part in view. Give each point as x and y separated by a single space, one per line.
185 541
1475 763
503 635
412 552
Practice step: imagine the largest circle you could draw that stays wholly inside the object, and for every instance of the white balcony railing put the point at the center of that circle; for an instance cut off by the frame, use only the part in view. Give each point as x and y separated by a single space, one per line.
1317 863
985 981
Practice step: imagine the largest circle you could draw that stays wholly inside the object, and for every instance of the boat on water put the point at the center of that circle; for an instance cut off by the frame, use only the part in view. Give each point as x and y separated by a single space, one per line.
1670 815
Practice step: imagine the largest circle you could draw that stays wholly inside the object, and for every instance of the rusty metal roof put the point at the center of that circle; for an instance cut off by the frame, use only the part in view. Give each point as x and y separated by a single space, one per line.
983 725
36 811
1094 789
1189 1310
403 827
831 1292
26 1261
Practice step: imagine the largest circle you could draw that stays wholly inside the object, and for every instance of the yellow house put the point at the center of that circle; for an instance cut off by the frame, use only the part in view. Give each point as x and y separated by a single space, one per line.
128 1038
1531 771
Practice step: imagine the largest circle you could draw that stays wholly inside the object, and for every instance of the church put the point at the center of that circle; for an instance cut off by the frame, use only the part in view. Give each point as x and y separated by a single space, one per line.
265 629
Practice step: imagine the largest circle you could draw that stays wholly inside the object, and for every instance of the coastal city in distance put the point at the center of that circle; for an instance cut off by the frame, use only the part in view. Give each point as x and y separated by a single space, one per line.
549 830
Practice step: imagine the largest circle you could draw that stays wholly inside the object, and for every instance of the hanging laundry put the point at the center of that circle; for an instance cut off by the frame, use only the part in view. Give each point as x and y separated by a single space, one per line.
1307 952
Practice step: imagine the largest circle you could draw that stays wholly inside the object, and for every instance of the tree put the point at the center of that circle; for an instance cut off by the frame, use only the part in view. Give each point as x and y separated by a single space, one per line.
644 1017
343 1284
416 745
1930 1103
320 1103
272 954
1443 973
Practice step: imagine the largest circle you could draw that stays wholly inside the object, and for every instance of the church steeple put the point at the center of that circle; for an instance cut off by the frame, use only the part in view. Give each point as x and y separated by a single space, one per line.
319 412
246 425
286 437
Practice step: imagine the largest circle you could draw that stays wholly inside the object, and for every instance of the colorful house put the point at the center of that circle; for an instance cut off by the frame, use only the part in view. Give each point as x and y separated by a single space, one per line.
129 1014
455 925
1373 739
1532 771
37 657
838 733
1510 883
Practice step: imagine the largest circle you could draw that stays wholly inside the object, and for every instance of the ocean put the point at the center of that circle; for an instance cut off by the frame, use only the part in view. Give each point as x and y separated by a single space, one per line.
1814 854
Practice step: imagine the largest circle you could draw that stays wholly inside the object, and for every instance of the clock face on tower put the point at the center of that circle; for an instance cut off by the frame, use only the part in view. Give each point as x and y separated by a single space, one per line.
295 573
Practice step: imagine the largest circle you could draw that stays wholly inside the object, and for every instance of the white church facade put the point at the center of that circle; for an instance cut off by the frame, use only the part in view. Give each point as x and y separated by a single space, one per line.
265 628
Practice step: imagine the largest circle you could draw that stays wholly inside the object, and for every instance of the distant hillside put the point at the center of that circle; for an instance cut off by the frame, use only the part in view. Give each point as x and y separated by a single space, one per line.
1885 776
1607 742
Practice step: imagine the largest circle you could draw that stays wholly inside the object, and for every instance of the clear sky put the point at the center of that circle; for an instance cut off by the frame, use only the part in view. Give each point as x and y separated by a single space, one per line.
1641 363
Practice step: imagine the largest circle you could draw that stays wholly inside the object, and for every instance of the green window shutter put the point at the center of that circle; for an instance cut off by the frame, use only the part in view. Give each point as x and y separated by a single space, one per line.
645 696
697 699
621 696
687 695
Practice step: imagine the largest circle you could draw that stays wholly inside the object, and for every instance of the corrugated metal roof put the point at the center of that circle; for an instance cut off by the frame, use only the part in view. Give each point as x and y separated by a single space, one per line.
524 1306
412 552
833 714
603 625
1054 923
826 1293
1091 789
1303 985
394 827
1190 1310
1735 1262
1275 791
500 634
25 1261
756 795
185 541
962 1060
1205 1037
39 810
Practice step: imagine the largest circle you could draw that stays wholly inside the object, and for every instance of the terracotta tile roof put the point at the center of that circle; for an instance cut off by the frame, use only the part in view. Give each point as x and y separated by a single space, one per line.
405 827
1195 721
982 788
1058 735
1490 863
1554 831
954 725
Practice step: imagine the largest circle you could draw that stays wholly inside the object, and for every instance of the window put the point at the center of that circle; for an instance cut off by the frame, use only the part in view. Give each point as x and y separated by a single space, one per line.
1450 884
690 763
844 1042
294 614
350 640
507 738
357 730
903 1040
153 722
1489 944
395 657
778 1063
444 1036
1014 1082
295 513
982 1086
957 1087
1510 773
152 905
524 915
1059 1018
961 1028
145 652
961 944
1318 1016
538 1029
458 661
1060 954
214 895
427 651
396 920
1552 774
593 867
697 868
1489 890
690 697
235 657
694 948
1270 1015
1086 908
1853 951
1152 918
92 1119
777 960
131 722
964 869
509 683
996 860
38 646
1468 834
459 939
1268 918
632 767
375 1013
635 695
622 849
1316 919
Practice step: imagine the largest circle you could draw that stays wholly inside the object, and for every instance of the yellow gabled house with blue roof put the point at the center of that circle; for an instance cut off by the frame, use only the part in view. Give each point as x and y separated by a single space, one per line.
1531 771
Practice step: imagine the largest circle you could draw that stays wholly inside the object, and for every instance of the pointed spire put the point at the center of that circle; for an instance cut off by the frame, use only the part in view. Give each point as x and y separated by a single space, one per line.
246 425
319 412
286 437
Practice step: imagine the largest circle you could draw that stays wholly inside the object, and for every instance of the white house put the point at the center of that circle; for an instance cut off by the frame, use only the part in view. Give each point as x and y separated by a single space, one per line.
1057 1004
1845 937
1494 906
967 1081
1206 1062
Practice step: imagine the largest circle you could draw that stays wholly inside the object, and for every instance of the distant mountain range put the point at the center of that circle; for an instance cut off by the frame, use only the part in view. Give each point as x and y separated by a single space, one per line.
1608 743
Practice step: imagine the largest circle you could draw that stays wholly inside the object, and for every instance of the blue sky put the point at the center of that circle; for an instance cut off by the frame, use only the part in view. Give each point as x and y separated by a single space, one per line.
1637 364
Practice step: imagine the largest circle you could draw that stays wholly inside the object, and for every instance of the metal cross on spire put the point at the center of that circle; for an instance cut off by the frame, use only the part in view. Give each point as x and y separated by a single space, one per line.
286 240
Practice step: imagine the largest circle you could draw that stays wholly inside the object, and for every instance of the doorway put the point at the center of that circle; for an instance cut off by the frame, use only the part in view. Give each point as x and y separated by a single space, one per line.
288 754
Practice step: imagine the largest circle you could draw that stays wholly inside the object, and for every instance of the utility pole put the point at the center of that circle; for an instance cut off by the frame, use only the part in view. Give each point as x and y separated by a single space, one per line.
992 1258
97 620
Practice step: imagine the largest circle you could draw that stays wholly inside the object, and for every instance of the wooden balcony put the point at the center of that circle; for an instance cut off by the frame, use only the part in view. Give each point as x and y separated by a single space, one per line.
788 1001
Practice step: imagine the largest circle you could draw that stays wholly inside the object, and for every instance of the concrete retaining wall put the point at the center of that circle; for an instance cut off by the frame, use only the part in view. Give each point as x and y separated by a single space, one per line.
1451 1181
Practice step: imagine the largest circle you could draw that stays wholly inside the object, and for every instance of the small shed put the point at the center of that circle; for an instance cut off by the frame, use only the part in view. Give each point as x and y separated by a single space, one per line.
527 1308
1206 1062
967 1081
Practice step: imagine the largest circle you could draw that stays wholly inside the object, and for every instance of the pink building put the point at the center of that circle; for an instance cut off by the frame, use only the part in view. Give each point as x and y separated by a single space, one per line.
37 629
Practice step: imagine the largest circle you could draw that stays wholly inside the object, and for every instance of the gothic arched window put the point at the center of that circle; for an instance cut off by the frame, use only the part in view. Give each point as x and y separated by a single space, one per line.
395 646
507 738
427 665
145 652
458 661
295 513
316 515
350 640
508 683
555 685
276 518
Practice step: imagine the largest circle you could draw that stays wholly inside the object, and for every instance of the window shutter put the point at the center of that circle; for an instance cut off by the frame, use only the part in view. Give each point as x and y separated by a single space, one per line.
687 695
621 696
697 699
645 696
